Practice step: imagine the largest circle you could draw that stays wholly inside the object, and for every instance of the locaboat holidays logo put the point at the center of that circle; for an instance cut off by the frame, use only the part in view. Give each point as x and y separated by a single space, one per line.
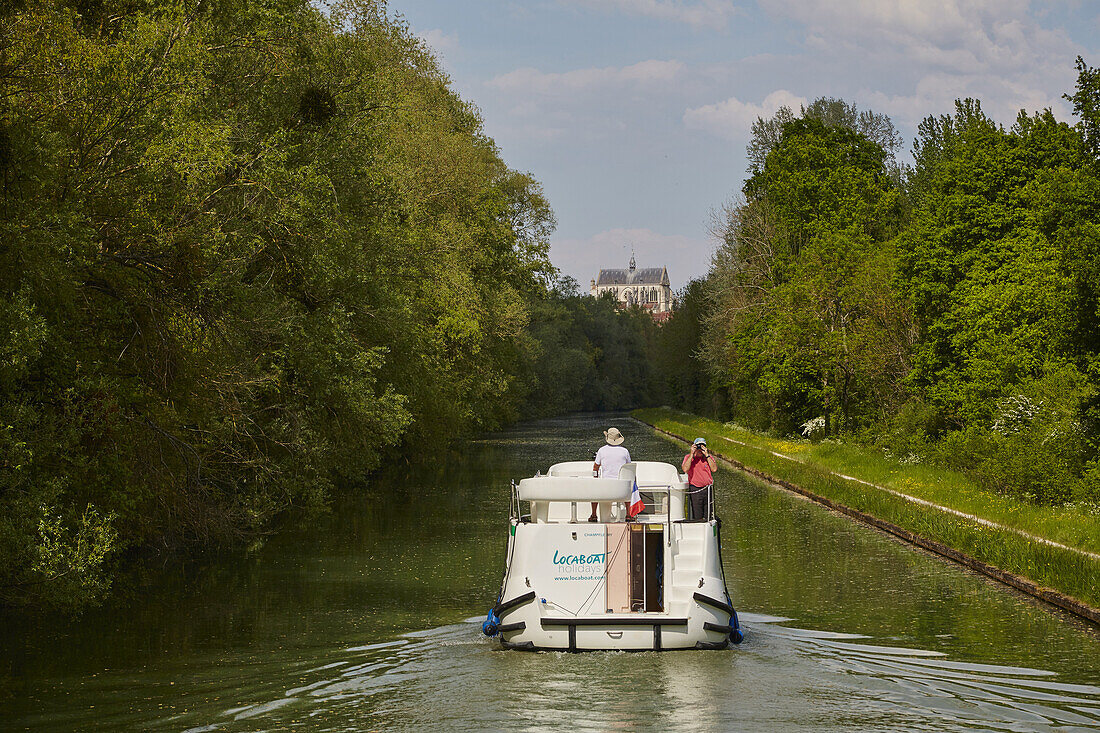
598 557
577 567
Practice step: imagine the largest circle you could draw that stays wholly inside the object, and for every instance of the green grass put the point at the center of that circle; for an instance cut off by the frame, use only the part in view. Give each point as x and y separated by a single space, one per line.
1070 572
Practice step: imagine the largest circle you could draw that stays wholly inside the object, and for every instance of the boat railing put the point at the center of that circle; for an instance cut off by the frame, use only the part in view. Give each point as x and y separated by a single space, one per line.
662 503
666 490
657 498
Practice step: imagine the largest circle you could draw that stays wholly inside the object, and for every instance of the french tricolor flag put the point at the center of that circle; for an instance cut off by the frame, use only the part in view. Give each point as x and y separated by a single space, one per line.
636 503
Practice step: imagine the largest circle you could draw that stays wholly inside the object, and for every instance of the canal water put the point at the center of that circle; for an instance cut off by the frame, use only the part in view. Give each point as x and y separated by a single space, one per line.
368 618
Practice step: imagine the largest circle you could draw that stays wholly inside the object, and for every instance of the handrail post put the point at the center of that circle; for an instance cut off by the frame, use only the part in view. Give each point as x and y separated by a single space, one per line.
668 517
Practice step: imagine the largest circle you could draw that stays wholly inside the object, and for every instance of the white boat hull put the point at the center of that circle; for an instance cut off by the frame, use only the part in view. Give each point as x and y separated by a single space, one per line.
558 596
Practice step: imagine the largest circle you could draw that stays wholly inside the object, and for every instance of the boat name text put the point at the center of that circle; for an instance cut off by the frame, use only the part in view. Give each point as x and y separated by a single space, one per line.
579 559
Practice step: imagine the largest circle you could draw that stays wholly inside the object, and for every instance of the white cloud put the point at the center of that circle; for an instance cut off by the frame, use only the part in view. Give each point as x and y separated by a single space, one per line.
439 41
581 105
934 51
584 104
582 258
732 118
962 36
1001 99
941 24
700 14
641 74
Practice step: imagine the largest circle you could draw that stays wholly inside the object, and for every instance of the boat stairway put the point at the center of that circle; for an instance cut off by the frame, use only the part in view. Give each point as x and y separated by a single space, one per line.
687 569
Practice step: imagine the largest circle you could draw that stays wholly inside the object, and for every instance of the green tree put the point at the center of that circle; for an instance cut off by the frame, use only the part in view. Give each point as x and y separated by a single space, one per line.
805 315
678 354
1086 105
589 354
831 112
246 250
1004 222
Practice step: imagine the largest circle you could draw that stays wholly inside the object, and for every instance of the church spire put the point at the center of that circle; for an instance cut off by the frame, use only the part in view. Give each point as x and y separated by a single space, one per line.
633 264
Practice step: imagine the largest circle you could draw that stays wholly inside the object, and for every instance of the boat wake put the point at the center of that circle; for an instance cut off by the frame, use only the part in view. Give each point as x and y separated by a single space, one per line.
781 678
927 686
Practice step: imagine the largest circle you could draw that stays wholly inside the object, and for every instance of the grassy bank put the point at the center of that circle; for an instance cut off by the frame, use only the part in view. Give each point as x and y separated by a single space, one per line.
1064 570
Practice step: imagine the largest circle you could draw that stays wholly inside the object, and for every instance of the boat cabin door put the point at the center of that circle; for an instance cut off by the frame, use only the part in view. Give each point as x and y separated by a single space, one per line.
647 567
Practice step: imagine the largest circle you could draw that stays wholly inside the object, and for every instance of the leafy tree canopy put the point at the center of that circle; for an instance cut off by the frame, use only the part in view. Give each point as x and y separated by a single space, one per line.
831 112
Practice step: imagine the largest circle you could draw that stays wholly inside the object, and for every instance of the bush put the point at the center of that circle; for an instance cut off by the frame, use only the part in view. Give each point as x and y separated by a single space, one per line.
1087 488
908 433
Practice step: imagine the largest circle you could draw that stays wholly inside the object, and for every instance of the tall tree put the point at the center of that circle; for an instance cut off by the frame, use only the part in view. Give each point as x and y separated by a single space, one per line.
1086 105
993 269
802 281
878 128
246 250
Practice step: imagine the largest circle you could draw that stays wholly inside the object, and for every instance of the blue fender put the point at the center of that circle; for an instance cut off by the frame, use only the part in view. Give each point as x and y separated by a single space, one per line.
736 637
491 626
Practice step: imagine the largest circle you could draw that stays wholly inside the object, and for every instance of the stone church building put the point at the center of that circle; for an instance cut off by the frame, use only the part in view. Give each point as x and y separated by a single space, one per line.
648 287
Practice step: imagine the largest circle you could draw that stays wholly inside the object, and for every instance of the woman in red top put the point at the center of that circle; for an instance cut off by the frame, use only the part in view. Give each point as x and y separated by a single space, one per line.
699 465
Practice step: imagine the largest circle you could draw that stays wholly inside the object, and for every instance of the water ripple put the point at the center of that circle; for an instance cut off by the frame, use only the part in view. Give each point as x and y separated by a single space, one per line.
782 678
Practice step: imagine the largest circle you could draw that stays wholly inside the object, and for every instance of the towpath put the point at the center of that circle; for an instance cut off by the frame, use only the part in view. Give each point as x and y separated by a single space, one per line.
924 502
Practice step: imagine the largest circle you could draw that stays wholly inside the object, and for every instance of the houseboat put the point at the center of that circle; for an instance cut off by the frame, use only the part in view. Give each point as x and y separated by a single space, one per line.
631 580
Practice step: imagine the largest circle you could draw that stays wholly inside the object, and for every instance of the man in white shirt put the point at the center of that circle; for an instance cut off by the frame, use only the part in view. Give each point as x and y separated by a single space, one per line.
609 459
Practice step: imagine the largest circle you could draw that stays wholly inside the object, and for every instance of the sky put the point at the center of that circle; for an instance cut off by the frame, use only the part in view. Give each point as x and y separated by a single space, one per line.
634 114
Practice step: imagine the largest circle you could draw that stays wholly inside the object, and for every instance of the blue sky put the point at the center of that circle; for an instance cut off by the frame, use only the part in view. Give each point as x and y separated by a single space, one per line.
634 114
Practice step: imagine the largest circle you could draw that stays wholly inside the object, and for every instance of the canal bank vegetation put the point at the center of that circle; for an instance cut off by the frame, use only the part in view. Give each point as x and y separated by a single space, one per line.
249 251
591 354
934 326
828 469
944 312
